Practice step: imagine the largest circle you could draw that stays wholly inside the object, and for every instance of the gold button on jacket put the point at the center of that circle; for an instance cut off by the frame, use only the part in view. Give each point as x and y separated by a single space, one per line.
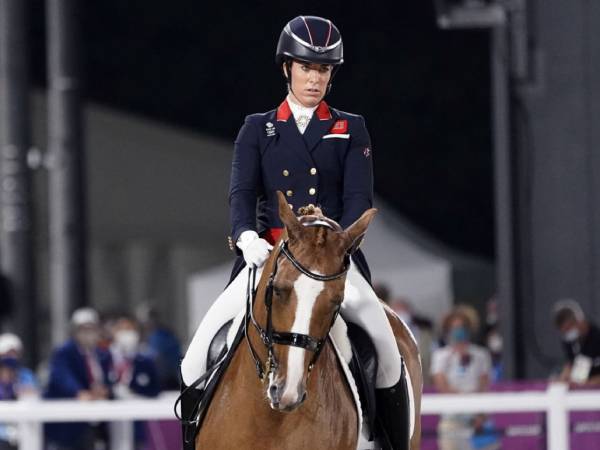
312 191
286 173
313 171
289 193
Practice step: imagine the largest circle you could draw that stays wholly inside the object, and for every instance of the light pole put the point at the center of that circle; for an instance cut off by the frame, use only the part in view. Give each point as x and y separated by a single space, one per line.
68 265
16 253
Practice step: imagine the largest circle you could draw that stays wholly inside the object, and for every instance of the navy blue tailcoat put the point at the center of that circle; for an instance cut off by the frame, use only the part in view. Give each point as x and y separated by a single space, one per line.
330 166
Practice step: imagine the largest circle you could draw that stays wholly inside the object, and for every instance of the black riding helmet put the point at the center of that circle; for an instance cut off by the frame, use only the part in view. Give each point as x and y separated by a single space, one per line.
311 39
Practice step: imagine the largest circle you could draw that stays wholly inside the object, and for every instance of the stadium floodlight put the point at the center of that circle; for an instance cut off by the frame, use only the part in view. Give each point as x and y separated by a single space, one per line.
469 13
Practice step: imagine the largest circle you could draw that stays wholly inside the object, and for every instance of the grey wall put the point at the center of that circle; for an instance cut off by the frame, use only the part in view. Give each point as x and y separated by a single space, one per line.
157 210
558 173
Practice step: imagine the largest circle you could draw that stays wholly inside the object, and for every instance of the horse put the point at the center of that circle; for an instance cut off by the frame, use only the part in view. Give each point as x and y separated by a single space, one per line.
300 398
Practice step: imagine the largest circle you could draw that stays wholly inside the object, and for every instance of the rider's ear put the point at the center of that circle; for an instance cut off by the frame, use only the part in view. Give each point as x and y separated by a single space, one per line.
353 235
289 219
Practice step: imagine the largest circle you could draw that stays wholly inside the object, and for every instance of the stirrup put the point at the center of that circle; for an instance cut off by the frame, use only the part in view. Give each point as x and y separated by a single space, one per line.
189 399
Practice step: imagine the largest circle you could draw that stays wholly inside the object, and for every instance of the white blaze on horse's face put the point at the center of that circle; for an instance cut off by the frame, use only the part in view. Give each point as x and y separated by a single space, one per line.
307 291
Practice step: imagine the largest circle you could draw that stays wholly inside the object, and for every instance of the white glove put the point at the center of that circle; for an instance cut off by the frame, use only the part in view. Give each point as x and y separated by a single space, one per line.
255 249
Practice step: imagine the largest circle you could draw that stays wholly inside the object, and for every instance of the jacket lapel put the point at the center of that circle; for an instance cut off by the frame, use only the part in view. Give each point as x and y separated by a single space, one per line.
319 125
287 129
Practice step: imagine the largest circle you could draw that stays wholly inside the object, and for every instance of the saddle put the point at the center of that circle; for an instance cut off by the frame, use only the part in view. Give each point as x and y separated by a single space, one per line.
363 367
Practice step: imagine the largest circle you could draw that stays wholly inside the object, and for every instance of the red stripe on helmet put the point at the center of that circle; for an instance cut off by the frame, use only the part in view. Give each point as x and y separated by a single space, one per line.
329 33
308 29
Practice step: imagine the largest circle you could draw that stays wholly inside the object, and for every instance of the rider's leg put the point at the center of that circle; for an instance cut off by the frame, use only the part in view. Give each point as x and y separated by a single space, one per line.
226 307
362 307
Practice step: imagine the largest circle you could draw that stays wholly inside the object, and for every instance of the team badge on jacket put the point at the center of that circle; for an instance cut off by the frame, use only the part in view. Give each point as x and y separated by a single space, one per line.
270 129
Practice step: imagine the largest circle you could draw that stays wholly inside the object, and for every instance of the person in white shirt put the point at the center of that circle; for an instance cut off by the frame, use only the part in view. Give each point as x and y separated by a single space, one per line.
459 367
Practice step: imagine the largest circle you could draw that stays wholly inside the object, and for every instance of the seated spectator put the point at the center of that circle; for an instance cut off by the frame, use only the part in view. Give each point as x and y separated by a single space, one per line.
16 382
79 369
581 343
135 370
459 367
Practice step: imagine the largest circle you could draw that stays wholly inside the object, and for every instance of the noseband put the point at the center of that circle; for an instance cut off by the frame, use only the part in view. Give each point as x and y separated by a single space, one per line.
268 335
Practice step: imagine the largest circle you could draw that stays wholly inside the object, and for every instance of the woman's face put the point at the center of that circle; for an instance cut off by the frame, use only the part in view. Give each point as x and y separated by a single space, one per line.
458 332
309 82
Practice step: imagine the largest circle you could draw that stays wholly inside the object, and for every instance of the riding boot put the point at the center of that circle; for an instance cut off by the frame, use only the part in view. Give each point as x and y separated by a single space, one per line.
190 400
393 416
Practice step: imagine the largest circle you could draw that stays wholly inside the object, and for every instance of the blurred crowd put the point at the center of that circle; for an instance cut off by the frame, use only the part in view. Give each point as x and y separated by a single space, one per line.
121 356
113 357
463 354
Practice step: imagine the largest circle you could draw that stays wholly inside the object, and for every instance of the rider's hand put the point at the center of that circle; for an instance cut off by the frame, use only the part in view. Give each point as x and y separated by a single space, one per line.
255 249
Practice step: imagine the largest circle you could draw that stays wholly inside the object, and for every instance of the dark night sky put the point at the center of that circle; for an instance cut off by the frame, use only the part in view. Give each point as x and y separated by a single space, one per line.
424 92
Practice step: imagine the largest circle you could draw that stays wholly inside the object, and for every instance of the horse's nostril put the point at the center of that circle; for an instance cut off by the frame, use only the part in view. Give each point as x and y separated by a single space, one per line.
303 397
274 392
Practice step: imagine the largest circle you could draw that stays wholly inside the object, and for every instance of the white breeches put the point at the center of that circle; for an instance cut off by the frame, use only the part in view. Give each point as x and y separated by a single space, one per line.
360 306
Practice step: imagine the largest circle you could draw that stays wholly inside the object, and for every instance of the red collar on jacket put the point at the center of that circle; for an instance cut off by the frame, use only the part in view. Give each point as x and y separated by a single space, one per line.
284 112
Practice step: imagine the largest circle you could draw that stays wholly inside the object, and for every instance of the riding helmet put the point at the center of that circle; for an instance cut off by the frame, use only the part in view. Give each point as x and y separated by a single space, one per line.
311 39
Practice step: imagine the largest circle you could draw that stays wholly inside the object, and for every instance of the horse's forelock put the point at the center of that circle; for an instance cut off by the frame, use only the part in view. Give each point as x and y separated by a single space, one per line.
321 236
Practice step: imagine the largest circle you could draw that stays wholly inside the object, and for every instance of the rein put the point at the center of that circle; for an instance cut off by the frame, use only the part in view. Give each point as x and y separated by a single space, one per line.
268 335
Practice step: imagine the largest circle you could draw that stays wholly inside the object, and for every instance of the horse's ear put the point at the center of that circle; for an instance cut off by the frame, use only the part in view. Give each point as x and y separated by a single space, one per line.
354 234
289 219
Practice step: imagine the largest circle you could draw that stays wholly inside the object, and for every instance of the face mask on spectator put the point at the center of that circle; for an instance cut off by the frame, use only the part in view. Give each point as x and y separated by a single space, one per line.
127 341
571 336
88 339
10 362
459 335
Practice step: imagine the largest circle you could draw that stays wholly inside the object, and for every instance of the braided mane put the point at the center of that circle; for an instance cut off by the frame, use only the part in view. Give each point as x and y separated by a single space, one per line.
310 210
310 214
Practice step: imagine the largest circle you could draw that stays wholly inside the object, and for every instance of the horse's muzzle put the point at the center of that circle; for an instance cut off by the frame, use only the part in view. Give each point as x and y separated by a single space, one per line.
282 400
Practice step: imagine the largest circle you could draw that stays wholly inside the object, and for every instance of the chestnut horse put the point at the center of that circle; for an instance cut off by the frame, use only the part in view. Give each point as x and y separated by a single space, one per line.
300 400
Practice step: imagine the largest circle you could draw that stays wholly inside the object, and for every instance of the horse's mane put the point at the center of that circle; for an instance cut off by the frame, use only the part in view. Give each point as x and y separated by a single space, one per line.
311 214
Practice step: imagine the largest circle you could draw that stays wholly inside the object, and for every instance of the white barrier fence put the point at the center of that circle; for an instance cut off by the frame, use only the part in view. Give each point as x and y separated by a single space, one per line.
557 401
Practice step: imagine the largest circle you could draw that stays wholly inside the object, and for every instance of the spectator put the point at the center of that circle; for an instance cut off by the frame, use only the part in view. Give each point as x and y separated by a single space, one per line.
460 367
79 369
135 370
474 321
164 346
581 343
16 382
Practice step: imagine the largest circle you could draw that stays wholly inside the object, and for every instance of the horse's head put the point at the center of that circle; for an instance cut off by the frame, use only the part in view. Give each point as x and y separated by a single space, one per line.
308 276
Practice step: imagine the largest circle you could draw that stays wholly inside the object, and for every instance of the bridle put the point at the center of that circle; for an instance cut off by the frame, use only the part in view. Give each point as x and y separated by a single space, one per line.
268 335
